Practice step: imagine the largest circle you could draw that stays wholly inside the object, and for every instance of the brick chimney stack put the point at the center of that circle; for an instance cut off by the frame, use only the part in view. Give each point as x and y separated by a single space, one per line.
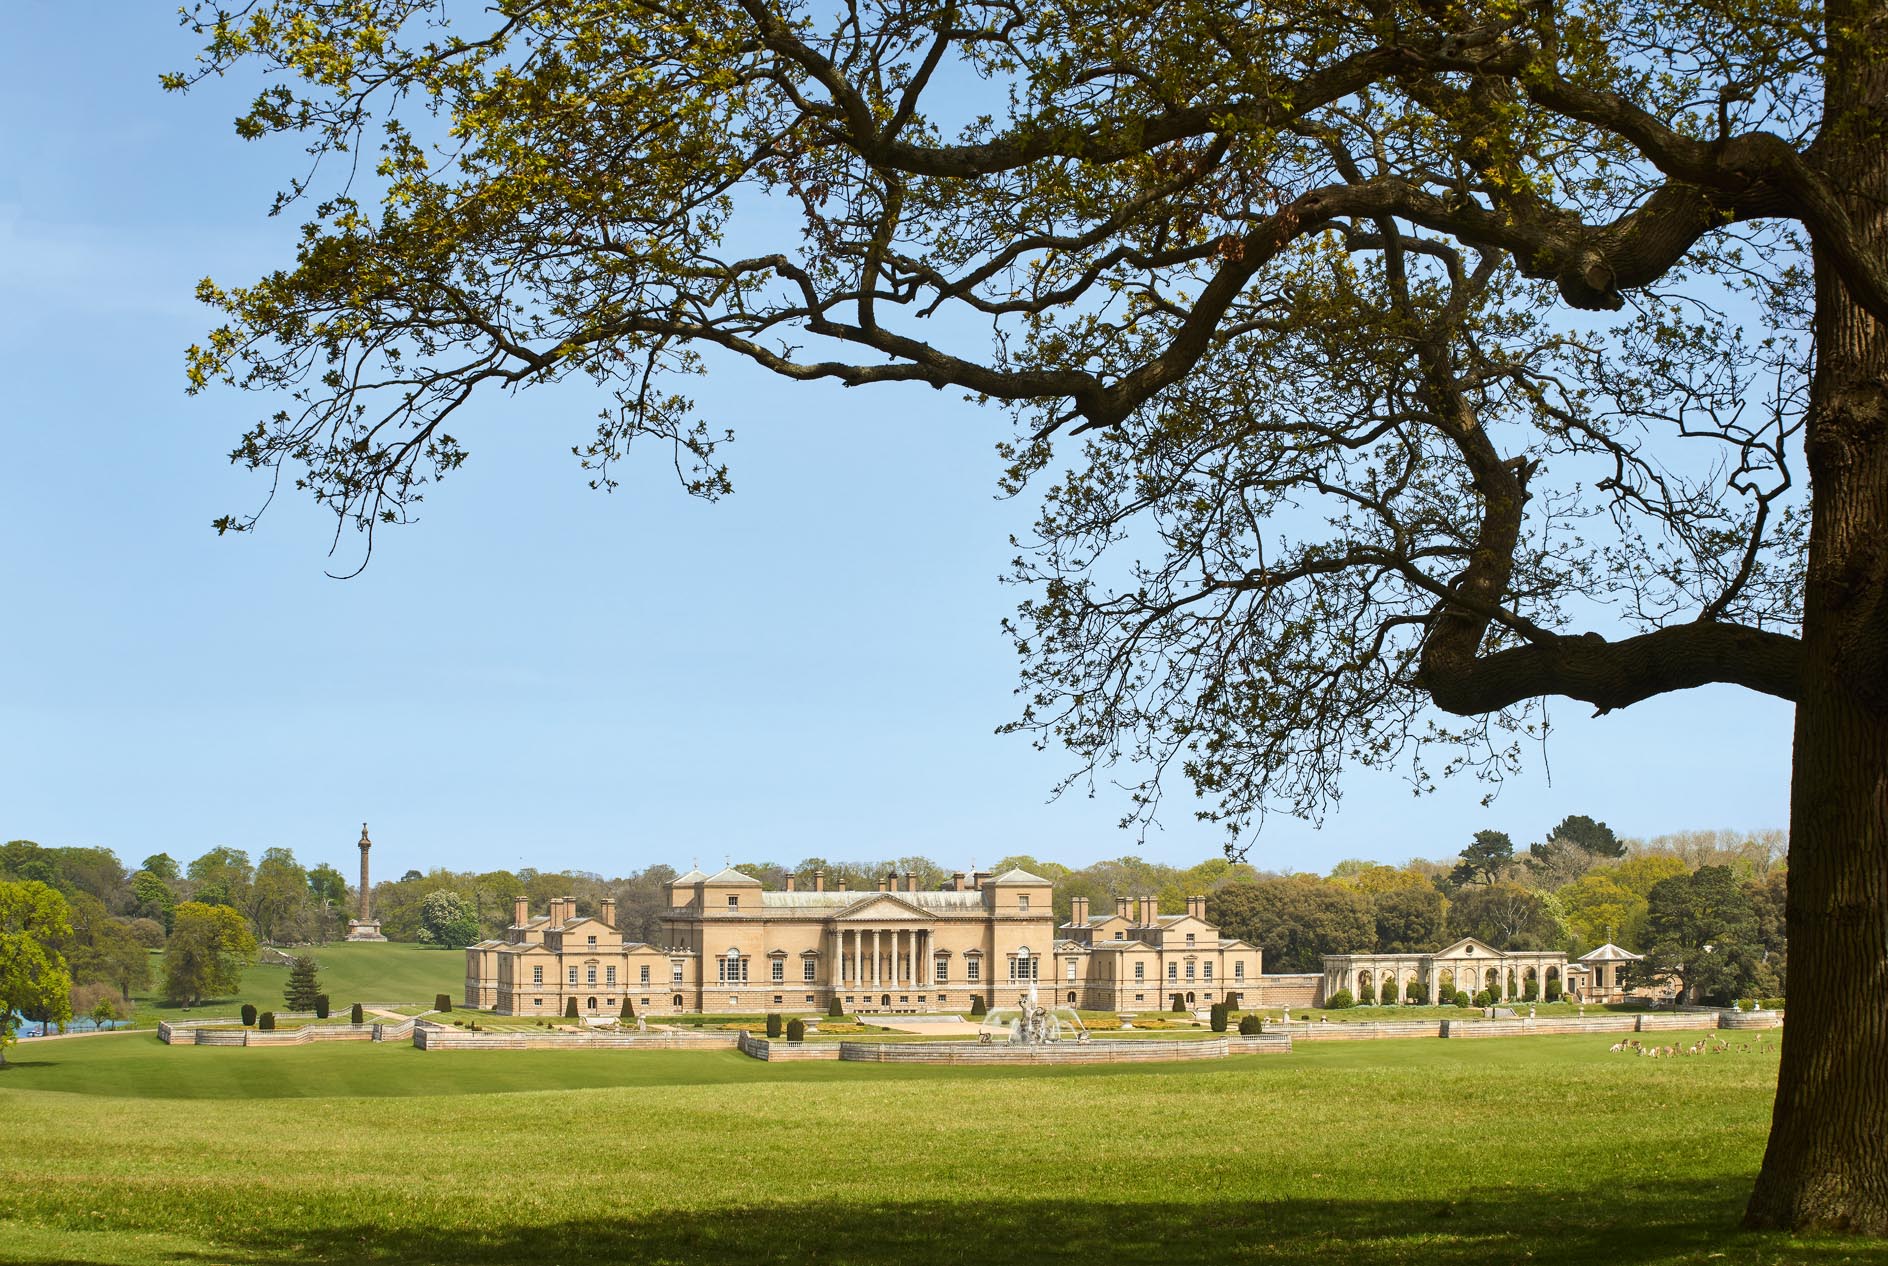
789 881
520 911
1121 907
885 882
911 881
1078 909
606 911
1196 907
842 884
957 881
819 880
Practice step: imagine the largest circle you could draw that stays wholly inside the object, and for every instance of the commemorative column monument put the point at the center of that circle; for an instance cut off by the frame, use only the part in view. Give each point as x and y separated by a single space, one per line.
367 927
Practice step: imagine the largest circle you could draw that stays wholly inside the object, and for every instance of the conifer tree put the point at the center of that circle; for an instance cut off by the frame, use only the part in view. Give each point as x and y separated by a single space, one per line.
303 987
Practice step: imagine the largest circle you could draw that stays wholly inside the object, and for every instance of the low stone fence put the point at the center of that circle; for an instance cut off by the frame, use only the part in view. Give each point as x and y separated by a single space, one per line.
778 1052
1355 1031
1262 1044
193 1035
429 1037
1129 1051
1284 990
1750 1019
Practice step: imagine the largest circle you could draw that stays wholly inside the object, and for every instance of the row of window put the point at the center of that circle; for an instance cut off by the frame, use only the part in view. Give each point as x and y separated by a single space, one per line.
1023 966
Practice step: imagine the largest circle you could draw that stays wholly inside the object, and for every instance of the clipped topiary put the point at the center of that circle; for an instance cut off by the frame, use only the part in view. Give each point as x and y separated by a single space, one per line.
1218 1020
796 1030
321 1006
1461 998
443 1002
1484 999
1339 1001
1179 1004
977 1007
833 1008
774 1024
249 1013
570 1008
629 1010
266 1021
1413 992
355 1015
1250 1026
1366 993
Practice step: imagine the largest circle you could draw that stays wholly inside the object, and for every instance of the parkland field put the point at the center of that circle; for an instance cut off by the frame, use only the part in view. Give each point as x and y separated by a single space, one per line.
1541 1150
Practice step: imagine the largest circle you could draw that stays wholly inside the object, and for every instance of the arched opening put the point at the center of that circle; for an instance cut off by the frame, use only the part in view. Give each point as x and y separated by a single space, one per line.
1071 997
1555 987
592 1006
885 1000
1190 999
678 1002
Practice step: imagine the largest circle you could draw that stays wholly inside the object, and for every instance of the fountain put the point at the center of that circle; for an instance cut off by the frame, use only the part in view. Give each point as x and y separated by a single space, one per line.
1032 1024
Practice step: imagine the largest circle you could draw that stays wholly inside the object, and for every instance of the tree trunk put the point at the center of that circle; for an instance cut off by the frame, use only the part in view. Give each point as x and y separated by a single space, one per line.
1827 1163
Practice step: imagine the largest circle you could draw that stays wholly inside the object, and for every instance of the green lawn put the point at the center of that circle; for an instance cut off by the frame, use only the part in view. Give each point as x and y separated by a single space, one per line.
367 971
1540 1150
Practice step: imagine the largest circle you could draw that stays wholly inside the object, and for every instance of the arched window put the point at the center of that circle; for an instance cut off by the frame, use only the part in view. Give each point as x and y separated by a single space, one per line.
733 967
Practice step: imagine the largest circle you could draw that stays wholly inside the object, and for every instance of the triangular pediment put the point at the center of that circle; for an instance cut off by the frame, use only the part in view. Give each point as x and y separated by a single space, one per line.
883 905
1469 947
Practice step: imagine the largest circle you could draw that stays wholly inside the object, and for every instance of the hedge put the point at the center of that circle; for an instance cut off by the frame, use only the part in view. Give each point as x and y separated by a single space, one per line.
1250 1026
1339 1000
796 1030
249 1014
266 1021
774 1025
442 1002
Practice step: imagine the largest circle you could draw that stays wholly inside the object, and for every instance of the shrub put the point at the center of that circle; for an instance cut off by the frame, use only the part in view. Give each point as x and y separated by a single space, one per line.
1366 993
1773 1004
838 1012
1484 999
796 1030
1218 1021
1339 1000
570 1008
774 1025
1462 999
249 1013
266 1021
1250 1026
977 1007
1530 993
1553 991
629 1010
443 1002
1179 1004
355 1015
321 1006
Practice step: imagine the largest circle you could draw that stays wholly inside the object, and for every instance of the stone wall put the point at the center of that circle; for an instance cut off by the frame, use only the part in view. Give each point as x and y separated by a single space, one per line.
435 1038
1127 1051
787 1052
1289 990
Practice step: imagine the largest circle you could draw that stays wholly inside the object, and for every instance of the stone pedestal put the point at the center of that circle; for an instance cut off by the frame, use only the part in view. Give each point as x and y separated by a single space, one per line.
364 930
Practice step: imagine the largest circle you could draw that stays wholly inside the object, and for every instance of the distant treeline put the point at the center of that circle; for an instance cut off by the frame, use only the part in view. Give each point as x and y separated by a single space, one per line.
1576 888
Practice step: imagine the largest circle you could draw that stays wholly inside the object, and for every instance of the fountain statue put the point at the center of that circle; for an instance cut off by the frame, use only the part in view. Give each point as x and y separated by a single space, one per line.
1032 1024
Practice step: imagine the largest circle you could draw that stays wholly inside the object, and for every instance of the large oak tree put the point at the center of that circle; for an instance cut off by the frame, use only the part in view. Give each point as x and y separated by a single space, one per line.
1385 369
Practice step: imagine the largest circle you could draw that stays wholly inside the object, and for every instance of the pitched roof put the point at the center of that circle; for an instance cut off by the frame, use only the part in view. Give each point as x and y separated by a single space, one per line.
1018 876
692 877
1611 953
732 876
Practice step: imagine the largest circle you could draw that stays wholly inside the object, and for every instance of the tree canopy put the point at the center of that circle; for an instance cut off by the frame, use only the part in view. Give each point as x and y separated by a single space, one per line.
1383 372
33 977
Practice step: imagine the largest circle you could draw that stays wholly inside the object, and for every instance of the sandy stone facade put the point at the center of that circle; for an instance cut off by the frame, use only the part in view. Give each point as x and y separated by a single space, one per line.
732 946
1137 959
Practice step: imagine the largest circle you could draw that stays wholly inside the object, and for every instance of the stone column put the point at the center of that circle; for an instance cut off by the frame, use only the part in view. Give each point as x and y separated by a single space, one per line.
367 889
875 959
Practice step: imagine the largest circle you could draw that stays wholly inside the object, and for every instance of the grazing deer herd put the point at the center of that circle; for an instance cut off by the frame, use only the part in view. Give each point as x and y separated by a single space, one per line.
1709 1045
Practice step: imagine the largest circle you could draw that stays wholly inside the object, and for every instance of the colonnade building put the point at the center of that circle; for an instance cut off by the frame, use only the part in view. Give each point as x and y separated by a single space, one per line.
729 945
1469 965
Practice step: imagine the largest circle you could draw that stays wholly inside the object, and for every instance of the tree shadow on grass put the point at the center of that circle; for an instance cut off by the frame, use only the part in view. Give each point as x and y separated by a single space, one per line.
1680 1222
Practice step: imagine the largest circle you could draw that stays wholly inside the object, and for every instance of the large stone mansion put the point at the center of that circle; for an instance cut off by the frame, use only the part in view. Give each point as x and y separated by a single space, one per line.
733 946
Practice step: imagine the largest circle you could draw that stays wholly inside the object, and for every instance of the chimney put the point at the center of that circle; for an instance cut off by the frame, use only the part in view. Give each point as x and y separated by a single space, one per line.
977 877
1196 907
789 881
520 911
957 881
606 910
885 882
570 909
819 880
1078 909
842 883
911 881
1121 907
1147 912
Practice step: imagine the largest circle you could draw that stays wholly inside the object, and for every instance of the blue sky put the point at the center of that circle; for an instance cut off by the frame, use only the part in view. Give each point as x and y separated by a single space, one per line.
537 674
